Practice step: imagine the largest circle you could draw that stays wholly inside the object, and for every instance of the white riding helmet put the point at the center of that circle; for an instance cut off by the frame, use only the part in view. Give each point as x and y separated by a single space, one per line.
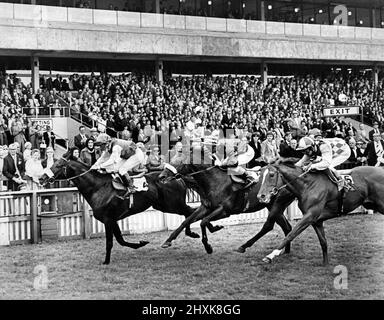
305 143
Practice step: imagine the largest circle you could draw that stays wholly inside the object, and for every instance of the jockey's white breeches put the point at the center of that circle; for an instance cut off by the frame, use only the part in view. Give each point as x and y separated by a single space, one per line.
342 156
131 163
244 158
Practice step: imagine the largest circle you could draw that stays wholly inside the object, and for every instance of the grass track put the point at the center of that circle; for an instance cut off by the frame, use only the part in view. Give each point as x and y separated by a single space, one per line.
185 271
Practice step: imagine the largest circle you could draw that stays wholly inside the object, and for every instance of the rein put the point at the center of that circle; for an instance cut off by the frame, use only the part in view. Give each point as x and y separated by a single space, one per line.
276 190
77 176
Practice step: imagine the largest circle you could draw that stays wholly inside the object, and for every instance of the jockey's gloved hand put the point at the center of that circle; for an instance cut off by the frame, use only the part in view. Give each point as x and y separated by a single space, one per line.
95 167
307 168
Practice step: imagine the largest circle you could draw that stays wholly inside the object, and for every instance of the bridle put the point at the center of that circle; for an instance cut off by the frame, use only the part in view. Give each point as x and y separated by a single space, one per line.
275 190
65 171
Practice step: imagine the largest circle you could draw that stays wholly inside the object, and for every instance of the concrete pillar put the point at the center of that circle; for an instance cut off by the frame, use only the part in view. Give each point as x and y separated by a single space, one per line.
159 71
375 75
262 10
157 6
35 72
264 73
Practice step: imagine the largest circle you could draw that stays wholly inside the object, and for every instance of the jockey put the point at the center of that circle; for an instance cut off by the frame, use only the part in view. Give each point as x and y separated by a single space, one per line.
243 154
119 156
323 153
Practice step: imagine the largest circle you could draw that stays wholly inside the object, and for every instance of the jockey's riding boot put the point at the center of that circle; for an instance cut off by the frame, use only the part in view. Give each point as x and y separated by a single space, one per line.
340 181
129 184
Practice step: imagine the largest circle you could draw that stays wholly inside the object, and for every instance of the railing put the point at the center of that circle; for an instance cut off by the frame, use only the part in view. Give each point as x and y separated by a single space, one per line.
33 216
43 14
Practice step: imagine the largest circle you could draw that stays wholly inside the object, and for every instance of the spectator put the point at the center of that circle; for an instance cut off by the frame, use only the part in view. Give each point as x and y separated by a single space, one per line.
155 160
14 169
361 154
3 129
375 150
49 160
361 134
27 152
74 154
88 155
295 153
34 169
353 157
269 152
49 138
374 130
17 131
285 145
2 156
179 157
81 139
256 145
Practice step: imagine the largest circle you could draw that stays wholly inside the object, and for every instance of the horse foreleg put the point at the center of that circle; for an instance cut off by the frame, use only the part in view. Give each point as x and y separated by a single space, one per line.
307 220
109 241
319 228
196 215
284 224
267 227
120 240
203 225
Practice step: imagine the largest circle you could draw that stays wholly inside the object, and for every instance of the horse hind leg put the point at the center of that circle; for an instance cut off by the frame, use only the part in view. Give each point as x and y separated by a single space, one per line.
109 242
120 240
319 228
204 223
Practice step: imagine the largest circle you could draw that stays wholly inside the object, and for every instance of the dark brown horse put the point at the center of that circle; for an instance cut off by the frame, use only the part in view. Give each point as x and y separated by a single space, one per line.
98 191
318 197
221 197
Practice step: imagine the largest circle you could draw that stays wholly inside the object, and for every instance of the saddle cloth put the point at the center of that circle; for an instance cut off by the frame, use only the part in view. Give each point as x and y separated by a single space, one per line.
139 183
255 175
348 182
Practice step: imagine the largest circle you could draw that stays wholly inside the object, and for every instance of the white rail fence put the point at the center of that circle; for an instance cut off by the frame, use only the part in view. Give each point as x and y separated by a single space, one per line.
55 214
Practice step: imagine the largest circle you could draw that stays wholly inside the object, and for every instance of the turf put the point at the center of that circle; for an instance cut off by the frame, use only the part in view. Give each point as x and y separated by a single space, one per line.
184 271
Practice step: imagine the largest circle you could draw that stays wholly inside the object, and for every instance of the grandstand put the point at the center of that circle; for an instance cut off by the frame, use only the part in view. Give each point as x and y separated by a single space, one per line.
149 69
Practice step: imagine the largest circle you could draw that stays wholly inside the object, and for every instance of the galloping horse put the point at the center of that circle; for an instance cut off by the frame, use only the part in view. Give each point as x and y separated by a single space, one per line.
221 197
319 197
98 191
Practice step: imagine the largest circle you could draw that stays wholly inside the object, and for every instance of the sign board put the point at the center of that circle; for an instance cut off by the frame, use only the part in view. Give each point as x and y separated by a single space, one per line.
341 111
43 122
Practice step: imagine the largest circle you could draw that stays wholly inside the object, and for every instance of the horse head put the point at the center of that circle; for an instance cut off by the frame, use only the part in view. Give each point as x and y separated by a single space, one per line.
270 184
64 168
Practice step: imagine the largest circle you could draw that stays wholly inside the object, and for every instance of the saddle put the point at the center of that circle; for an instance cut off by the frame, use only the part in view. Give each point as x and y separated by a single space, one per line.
139 182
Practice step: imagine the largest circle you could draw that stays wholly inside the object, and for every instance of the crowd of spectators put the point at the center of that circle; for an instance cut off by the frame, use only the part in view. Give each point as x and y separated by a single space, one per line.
196 108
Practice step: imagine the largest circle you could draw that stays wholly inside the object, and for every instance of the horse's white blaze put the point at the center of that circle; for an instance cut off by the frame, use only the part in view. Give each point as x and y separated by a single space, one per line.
264 176
170 168
49 173
274 254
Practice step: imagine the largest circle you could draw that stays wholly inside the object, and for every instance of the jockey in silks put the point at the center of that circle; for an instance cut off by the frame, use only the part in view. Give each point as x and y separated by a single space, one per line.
119 156
237 161
321 154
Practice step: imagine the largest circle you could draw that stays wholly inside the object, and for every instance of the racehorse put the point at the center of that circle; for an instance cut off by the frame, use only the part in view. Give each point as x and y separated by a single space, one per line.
98 191
318 197
221 197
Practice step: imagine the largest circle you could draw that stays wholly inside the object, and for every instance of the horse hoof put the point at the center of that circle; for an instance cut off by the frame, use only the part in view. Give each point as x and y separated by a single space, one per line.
240 250
217 228
166 244
209 249
143 243
267 260
192 235
106 263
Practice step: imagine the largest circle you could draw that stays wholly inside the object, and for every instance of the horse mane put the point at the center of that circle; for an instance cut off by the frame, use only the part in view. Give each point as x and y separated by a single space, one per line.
289 162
